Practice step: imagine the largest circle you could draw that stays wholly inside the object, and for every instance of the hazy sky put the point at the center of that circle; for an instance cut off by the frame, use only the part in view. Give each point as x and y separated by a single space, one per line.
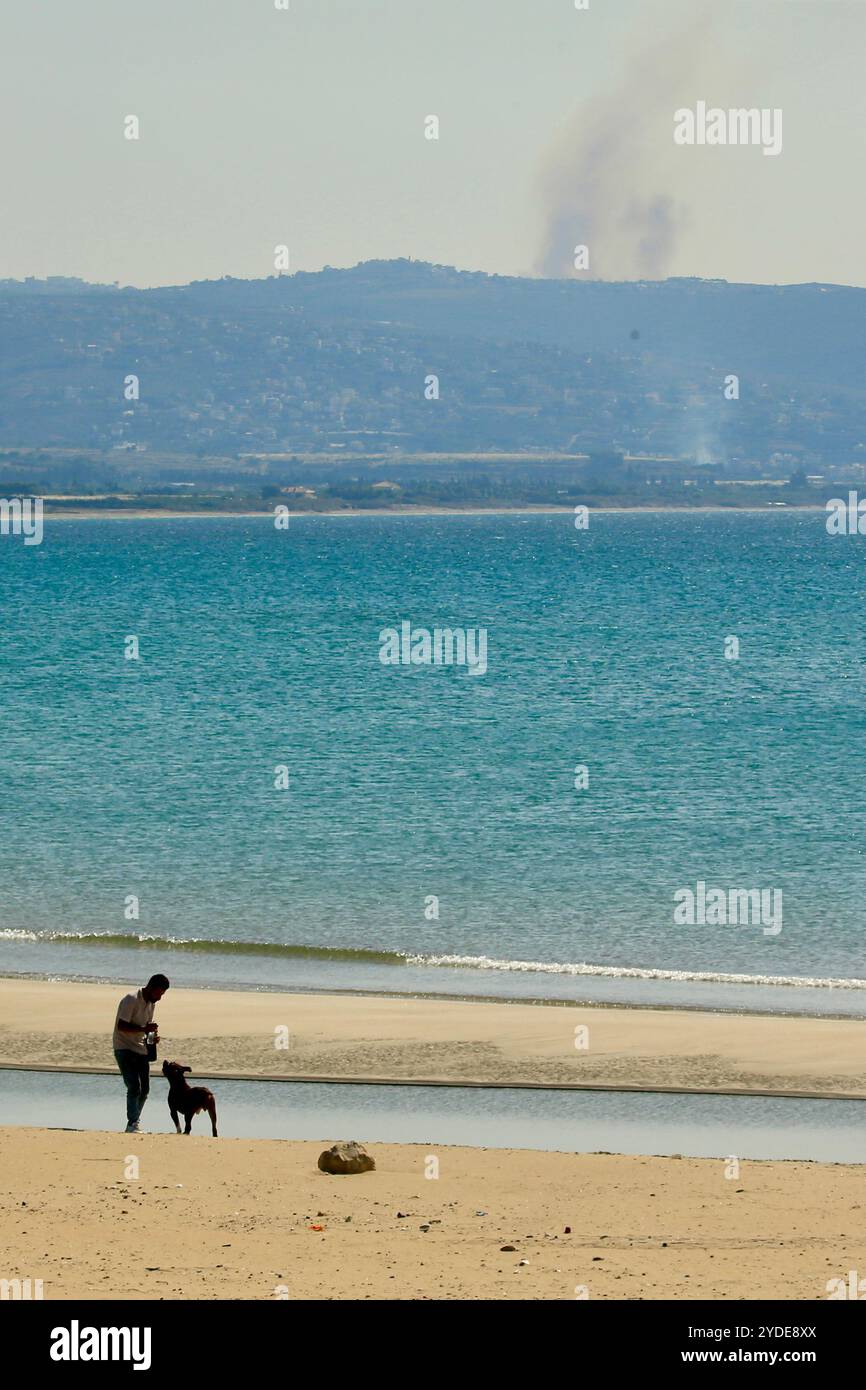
261 127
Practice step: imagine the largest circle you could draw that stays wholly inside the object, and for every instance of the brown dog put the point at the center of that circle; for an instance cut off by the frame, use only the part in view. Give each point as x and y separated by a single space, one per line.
189 1100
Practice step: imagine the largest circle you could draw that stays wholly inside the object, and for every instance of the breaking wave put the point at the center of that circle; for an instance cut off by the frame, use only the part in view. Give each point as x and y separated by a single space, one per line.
131 940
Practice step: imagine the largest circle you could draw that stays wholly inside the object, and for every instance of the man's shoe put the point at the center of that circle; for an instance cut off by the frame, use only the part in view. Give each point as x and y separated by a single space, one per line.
133 1128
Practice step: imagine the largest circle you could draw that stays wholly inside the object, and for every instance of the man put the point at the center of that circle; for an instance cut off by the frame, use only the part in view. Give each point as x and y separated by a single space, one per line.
134 1019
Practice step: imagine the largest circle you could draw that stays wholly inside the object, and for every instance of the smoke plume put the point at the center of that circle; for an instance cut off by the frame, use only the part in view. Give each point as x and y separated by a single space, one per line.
606 180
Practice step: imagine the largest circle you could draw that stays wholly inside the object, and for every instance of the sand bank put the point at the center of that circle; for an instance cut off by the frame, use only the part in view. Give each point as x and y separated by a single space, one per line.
225 1032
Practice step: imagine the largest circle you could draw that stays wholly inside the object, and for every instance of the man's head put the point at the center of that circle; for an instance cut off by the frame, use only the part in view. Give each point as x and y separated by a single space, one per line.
155 988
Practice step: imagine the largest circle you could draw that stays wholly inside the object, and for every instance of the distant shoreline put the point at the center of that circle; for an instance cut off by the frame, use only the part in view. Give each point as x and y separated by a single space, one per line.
165 513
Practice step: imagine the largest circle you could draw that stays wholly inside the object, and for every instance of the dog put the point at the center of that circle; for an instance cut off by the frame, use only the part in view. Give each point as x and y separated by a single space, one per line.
189 1100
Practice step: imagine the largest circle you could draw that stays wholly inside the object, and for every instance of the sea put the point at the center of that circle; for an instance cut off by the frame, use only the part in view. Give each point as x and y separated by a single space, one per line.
653 793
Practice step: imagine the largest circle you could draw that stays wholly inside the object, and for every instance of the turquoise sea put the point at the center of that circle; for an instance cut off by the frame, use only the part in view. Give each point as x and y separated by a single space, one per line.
259 650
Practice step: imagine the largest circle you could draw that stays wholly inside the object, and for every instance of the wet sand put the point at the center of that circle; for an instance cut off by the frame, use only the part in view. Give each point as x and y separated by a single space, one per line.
224 1032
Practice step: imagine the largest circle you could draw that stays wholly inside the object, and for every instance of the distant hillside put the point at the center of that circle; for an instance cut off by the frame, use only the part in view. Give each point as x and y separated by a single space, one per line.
337 361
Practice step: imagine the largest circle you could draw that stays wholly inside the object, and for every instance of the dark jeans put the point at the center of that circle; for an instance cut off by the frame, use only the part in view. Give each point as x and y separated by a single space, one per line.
135 1070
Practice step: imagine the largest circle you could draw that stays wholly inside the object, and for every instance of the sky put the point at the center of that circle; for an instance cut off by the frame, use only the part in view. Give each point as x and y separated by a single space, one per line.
262 127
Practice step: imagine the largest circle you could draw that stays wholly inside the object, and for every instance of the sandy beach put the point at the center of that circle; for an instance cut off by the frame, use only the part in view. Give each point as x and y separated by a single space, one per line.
219 1219
221 1032
255 1219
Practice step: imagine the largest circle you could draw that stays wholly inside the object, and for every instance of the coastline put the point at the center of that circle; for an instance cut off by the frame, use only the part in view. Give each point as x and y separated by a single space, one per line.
166 514
256 1220
387 1038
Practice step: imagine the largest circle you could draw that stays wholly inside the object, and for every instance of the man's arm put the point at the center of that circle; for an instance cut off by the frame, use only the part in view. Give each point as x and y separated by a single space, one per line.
125 1027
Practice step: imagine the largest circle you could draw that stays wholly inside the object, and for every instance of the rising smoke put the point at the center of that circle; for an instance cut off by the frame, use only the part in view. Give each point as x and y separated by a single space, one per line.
606 181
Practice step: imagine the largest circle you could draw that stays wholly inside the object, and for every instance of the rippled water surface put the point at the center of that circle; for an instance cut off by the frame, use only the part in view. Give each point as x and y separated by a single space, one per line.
260 648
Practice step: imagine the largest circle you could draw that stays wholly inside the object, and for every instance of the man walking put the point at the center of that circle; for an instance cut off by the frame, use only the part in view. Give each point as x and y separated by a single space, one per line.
135 1019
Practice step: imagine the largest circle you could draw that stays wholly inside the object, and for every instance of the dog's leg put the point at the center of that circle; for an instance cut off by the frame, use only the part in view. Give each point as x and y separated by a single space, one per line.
174 1117
211 1110
188 1122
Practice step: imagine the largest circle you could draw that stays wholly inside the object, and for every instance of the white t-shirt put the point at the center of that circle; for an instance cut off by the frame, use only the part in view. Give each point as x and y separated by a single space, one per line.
133 1008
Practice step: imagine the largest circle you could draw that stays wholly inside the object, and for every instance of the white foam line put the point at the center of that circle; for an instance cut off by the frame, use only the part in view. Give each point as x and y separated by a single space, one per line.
633 972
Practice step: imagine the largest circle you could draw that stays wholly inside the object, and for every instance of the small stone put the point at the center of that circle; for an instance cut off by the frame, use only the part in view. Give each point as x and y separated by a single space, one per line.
508 1247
